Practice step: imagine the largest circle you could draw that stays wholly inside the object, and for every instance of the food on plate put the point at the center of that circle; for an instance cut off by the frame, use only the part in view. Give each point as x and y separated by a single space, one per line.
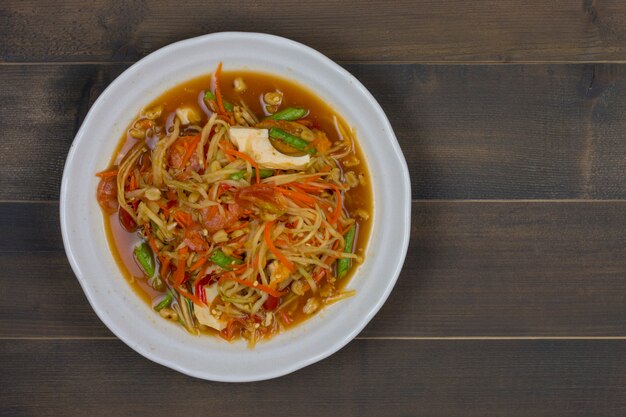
237 204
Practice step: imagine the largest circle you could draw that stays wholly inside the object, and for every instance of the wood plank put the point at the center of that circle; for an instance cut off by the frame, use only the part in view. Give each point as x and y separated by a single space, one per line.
473 269
477 132
50 103
425 31
367 378
30 227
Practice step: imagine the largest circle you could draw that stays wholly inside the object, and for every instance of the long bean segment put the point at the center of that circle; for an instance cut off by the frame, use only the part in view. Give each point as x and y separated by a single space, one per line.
343 265
165 302
291 140
290 113
145 259
221 259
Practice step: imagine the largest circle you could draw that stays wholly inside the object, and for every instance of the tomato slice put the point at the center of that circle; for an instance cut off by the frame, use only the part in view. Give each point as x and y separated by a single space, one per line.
107 194
271 303
263 196
213 220
126 220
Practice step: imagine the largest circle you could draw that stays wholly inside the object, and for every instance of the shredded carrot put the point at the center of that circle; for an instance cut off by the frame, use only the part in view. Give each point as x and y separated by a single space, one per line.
179 275
226 145
201 261
258 286
241 226
245 158
153 244
189 295
305 187
218 90
190 147
164 267
109 173
183 218
279 255
298 197
312 177
240 269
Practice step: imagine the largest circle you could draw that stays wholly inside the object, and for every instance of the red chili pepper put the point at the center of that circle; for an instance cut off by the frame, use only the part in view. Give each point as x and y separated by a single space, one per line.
271 303
126 220
199 287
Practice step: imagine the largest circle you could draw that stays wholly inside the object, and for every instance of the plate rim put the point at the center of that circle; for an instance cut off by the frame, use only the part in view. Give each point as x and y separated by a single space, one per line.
341 341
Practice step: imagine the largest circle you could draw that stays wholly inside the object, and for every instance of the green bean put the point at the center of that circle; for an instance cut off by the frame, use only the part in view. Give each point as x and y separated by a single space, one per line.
290 113
143 256
209 96
263 173
291 140
343 265
165 302
220 258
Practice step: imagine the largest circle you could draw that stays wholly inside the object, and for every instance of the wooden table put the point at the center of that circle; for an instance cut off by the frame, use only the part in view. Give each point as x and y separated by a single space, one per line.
512 300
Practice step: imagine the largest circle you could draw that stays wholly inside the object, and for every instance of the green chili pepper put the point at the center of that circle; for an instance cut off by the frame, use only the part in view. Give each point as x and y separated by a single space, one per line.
165 302
263 173
290 113
220 258
143 256
209 96
343 265
292 140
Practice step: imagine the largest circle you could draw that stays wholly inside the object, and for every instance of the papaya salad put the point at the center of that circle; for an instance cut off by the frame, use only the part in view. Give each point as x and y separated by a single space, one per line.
237 204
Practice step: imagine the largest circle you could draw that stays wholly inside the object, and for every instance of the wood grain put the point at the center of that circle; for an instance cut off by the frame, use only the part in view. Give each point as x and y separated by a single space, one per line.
487 278
416 31
467 132
367 378
473 269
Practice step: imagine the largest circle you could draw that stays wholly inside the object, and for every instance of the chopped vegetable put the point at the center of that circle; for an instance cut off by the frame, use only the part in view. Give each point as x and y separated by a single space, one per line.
127 220
156 282
256 143
209 96
188 115
271 303
278 254
145 259
290 113
237 230
246 158
291 140
263 173
221 259
343 265
165 302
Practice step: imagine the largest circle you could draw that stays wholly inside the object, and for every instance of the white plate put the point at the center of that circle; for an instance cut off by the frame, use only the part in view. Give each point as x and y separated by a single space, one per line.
127 315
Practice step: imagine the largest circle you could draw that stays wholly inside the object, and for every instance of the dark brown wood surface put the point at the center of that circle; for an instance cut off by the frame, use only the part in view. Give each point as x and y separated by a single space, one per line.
512 300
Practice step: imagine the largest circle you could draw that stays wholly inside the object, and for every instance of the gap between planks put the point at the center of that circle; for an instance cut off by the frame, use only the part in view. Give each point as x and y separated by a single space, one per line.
401 338
422 201
347 62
